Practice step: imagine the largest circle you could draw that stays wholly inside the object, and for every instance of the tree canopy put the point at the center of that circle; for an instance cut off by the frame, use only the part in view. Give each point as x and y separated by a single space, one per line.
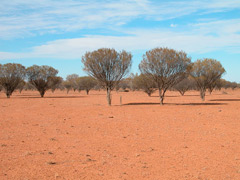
41 77
11 75
206 72
108 66
166 66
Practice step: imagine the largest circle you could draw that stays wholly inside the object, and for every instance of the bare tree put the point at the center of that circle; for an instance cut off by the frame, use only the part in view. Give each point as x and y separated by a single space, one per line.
86 83
41 77
166 66
145 83
183 86
108 66
11 75
206 73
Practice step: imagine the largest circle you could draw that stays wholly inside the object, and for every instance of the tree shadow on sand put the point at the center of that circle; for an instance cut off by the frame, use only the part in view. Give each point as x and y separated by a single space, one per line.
192 95
177 104
225 100
166 96
47 97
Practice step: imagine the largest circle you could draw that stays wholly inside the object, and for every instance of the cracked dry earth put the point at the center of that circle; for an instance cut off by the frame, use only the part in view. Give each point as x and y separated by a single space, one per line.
75 136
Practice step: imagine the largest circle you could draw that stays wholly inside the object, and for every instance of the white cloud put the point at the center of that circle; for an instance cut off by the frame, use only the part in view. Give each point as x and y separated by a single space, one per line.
173 25
20 18
200 38
30 17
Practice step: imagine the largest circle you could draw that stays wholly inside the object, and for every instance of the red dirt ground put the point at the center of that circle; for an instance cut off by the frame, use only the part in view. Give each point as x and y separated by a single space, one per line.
76 136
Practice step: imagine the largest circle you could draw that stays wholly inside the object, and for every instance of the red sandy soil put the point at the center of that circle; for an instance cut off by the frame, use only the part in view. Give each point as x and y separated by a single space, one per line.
75 136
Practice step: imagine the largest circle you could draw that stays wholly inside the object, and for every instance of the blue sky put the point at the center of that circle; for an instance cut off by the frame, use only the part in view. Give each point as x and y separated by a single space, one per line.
58 32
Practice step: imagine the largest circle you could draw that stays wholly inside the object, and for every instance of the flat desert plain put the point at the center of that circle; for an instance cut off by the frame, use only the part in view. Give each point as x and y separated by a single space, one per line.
77 136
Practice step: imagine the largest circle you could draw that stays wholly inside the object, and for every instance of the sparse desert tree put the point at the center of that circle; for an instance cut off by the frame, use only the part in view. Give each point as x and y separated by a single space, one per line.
123 85
233 85
166 66
29 86
145 83
11 75
215 85
183 86
228 84
129 81
108 66
41 77
99 86
67 85
206 73
73 80
21 86
86 83
220 84
55 82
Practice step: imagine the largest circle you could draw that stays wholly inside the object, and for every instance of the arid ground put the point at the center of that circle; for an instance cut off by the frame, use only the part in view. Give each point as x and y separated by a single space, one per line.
75 136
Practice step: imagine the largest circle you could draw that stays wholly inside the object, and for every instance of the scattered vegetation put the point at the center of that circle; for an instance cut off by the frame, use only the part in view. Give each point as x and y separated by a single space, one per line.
145 83
206 73
11 75
42 77
166 67
55 82
86 83
184 85
72 80
107 66
161 69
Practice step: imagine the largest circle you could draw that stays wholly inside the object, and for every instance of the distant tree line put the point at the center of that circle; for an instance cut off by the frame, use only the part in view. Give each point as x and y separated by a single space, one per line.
161 69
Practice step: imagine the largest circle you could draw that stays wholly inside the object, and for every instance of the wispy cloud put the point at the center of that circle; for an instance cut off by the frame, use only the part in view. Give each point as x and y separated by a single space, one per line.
200 38
173 25
31 17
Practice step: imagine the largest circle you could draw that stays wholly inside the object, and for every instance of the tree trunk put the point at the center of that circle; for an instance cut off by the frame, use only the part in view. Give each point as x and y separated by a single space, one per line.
149 93
8 93
181 92
202 94
161 96
42 92
109 99
210 91
87 91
